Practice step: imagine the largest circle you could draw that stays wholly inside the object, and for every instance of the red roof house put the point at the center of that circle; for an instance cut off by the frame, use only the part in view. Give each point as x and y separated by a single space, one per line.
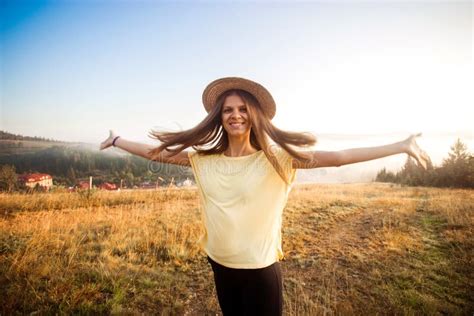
108 186
31 180
83 185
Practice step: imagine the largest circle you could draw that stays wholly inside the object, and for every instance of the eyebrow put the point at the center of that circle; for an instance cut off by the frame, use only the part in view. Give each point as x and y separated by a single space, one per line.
229 107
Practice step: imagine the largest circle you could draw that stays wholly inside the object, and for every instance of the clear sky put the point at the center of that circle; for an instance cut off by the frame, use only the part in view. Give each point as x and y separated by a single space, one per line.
72 70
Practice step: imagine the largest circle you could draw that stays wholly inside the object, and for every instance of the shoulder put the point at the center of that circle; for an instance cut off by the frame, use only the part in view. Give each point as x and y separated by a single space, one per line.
282 156
279 152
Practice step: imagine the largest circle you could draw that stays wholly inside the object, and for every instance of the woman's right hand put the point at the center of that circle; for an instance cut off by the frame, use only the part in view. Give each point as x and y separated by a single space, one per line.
108 142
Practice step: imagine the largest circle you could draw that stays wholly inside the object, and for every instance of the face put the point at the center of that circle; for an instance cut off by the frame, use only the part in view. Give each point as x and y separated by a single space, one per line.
235 118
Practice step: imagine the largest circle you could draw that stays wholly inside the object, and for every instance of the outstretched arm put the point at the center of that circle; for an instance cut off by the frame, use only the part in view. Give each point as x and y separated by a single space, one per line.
142 150
353 155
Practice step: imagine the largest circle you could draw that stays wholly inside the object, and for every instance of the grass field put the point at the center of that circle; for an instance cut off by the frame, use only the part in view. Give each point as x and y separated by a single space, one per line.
350 249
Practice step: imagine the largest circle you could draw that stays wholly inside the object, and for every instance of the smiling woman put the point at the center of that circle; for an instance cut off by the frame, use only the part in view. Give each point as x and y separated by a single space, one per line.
244 182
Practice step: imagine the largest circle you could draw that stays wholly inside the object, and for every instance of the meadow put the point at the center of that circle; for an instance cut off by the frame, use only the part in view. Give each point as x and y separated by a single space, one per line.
349 249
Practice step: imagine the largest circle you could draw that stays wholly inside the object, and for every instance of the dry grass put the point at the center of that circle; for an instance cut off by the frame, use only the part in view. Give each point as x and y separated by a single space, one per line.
350 249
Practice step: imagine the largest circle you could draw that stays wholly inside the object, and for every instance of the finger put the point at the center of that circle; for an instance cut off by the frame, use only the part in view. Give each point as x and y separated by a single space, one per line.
427 158
103 145
417 157
421 163
418 161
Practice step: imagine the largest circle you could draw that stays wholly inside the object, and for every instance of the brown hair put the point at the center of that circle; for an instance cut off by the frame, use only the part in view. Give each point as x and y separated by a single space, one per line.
211 133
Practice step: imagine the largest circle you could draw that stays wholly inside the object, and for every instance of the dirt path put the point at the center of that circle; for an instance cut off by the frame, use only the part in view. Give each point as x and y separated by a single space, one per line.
371 260
336 254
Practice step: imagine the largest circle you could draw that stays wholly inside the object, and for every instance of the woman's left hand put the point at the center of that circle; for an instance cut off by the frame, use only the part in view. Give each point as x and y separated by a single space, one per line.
412 149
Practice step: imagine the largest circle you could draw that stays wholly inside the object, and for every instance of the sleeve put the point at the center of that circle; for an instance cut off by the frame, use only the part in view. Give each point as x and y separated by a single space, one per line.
286 162
196 162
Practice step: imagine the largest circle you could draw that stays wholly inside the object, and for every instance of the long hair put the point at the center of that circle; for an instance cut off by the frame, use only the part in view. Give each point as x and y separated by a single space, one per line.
210 137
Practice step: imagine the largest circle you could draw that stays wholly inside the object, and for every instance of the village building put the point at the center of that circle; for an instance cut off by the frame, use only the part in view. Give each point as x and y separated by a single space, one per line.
32 180
186 183
108 186
149 185
84 185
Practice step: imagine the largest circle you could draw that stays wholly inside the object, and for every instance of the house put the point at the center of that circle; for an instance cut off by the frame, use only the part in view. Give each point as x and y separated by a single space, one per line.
32 180
84 185
108 186
186 183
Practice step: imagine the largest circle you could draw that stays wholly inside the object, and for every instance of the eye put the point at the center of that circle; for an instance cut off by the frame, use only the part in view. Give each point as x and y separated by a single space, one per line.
243 110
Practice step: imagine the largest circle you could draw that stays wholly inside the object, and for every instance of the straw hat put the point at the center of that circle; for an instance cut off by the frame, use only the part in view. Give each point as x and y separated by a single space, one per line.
219 86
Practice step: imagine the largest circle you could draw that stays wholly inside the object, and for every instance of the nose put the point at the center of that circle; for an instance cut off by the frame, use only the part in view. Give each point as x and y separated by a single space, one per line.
235 113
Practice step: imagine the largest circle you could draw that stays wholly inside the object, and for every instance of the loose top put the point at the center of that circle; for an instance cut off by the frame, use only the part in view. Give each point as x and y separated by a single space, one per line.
242 203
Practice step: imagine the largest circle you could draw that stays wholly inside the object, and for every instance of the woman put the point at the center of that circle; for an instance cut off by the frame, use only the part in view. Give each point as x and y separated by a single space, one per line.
244 182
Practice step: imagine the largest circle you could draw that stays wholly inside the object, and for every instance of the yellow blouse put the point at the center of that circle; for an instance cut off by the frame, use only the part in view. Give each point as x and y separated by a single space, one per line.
242 203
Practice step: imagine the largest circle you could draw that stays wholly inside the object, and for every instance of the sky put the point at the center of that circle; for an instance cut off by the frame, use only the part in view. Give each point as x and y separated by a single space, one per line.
72 70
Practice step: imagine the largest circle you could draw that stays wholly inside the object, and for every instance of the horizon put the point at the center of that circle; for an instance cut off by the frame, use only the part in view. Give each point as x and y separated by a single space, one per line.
436 144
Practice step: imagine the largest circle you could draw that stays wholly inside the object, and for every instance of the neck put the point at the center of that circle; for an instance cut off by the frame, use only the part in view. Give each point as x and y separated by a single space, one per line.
239 147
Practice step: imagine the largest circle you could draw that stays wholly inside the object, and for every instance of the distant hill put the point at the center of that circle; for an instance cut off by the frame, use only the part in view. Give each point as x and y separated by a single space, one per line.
13 144
9 136
68 164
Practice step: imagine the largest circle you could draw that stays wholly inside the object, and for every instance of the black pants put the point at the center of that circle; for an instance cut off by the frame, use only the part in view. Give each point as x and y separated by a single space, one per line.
249 291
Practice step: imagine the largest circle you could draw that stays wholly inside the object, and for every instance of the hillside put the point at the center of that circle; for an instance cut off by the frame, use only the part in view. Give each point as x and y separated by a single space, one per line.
14 144
69 162
4 135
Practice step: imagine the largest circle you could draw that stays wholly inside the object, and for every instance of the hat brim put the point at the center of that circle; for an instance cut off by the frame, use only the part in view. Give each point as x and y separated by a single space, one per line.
216 88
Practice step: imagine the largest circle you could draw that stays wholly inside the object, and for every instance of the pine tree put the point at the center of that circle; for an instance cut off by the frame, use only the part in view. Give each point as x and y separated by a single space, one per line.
385 176
71 176
457 169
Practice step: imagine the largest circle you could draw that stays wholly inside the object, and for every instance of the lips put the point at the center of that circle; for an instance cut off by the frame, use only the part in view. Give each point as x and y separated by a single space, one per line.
236 124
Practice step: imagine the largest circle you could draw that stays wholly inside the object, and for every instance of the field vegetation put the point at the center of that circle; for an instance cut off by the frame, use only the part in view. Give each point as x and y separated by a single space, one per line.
350 249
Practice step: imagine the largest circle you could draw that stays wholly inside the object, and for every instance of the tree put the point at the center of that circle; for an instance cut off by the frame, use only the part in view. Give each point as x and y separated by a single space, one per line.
470 172
457 169
71 176
411 174
385 176
8 178
130 179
